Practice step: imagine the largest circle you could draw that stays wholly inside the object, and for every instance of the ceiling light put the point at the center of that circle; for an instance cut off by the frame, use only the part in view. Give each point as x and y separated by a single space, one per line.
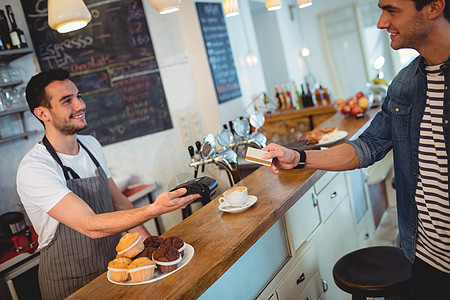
230 8
69 15
304 3
166 6
273 4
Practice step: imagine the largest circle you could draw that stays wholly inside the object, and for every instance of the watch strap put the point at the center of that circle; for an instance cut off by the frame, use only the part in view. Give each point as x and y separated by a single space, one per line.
302 162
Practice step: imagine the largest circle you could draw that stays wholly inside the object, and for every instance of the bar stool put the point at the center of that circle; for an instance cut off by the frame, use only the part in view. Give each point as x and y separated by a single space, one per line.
380 271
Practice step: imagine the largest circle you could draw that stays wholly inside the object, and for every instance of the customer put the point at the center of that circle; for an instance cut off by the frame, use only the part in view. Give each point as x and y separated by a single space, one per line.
66 188
414 122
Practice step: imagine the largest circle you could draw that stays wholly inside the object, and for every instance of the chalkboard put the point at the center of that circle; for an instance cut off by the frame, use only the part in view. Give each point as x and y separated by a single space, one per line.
218 48
113 64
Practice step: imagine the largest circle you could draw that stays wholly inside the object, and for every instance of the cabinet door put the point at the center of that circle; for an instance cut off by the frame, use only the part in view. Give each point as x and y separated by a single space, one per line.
331 195
302 218
313 290
253 270
300 277
333 239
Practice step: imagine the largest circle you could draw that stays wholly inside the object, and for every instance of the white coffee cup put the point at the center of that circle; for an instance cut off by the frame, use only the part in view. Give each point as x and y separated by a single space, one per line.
235 197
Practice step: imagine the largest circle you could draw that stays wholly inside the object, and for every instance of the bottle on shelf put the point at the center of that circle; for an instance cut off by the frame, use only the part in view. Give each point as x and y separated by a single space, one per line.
325 96
318 96
277 96
283 98
307 98
298 98
17 36
287 96
4 32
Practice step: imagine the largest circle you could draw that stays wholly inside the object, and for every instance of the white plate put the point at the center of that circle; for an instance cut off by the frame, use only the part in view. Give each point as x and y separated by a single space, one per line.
339 135
230 209
188 254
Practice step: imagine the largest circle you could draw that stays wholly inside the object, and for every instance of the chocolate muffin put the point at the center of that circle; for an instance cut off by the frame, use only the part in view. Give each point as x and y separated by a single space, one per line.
175 242
167 258
153 241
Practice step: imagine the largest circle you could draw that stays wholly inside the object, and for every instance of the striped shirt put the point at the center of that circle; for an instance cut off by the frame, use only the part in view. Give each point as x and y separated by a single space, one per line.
432 195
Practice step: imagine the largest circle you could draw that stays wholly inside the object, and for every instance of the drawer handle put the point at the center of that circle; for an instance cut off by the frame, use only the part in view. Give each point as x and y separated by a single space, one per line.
314 199
301 278
324 285
334 195
366 236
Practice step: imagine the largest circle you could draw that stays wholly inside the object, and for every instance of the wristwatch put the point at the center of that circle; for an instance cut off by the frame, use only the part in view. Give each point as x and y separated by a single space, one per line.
302 162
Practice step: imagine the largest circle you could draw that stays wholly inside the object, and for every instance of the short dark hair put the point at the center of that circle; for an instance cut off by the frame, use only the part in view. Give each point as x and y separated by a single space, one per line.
35 90
421 3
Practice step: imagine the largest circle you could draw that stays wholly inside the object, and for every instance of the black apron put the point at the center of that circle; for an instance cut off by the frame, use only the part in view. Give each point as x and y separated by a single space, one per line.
72 259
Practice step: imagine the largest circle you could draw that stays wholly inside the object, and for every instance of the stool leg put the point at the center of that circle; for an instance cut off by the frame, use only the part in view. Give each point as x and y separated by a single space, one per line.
358 297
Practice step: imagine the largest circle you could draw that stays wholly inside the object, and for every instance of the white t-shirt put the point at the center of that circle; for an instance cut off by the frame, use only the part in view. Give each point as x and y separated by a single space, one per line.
41 183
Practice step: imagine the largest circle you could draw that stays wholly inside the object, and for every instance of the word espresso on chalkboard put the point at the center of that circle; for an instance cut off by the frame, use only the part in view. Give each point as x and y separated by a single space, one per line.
219 52
111 62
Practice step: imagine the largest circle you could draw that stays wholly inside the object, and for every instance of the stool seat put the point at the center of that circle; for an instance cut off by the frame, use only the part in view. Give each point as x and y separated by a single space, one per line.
373 272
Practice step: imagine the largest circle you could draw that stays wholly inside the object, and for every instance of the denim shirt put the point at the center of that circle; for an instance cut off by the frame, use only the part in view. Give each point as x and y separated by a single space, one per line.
397 127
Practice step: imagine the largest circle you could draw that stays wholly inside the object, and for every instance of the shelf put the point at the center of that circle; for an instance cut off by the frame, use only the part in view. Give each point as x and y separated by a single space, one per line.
6 56
13 111
18 136
10 84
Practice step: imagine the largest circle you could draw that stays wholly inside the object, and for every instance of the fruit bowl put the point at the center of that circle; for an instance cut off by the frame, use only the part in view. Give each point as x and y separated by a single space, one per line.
355 106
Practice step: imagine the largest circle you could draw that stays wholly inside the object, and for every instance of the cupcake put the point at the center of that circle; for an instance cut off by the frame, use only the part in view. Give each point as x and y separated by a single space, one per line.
130 245
175 242
151 244
118 269
153 241
166 258
148 252
141 269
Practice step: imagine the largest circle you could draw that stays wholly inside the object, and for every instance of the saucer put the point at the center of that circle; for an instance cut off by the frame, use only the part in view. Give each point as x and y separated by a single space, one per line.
230 209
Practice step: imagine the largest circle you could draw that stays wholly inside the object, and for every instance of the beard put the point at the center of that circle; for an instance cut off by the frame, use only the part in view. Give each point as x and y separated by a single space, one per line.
415 37
65 126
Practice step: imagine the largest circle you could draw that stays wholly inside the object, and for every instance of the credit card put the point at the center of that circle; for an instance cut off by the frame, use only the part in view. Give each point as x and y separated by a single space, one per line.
254 155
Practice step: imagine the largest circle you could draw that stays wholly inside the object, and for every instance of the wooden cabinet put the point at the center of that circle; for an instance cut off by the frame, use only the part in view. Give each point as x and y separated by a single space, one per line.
333 239
331 195
283 126
304 279
302 219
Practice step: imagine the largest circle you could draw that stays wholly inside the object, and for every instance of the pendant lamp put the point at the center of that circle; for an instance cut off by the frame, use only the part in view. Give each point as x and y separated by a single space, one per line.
166 6
273 4
304 3
230 8
69 15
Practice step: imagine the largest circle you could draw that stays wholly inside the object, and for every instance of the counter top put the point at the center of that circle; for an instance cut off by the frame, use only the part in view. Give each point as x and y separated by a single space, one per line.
220 239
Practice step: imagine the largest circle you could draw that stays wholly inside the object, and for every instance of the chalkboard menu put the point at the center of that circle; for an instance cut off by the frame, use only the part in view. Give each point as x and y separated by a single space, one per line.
113 64
218 48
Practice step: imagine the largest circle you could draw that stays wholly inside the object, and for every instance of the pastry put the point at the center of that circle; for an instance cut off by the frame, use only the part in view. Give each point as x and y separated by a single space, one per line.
175 242
153 241
318 136
130 245
141 269
167 258
118 269
148 252
151 244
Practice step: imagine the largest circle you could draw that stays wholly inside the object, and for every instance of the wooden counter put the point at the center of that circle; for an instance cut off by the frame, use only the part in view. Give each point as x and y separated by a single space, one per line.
220 239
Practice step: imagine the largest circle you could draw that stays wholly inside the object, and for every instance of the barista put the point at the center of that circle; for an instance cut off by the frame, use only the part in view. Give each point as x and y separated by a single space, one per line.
66 188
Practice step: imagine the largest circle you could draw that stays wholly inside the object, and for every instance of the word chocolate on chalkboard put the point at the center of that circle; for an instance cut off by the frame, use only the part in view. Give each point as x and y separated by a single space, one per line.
112 63
218 48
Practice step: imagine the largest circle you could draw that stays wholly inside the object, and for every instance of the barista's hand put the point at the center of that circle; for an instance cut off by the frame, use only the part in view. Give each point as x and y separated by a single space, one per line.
282 158
170 201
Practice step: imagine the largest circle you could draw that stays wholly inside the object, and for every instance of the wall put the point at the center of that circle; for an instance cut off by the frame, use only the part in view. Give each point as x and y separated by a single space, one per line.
190 95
